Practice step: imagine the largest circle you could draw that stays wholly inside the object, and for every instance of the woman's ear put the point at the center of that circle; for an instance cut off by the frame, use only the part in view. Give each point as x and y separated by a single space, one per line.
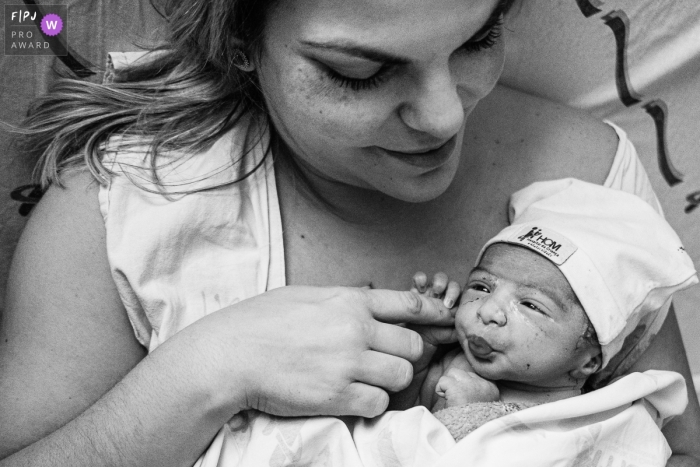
587 367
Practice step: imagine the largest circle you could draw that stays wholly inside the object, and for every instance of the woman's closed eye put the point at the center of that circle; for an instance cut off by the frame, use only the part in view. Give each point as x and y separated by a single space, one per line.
486 39
367 76
358 82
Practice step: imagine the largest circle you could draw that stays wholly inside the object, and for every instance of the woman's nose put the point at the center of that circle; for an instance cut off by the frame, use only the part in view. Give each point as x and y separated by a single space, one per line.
492 312
436 107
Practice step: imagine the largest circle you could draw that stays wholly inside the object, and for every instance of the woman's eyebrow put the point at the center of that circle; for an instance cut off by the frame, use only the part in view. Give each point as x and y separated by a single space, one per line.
354 50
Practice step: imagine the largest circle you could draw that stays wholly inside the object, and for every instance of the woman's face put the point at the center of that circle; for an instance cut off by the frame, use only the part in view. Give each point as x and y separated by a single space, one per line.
375 93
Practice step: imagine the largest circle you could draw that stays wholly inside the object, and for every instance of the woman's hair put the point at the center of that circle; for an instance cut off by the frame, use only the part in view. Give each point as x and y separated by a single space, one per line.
181 97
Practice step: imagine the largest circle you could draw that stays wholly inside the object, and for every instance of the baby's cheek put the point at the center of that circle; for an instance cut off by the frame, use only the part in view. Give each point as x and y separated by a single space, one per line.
462 323
466 313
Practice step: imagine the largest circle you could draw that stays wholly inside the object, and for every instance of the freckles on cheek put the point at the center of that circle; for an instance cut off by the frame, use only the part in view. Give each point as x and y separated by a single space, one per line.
301 105
300 95
308 102
315 99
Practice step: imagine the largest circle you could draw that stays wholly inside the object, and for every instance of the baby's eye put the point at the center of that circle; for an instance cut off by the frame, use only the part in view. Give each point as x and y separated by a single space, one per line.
532 306
479 288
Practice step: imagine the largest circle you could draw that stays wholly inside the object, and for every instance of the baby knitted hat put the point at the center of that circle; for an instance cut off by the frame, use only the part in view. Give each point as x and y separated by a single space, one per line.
621 258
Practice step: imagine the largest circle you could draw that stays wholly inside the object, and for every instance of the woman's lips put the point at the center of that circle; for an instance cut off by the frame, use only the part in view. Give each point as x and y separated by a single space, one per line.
479 346
429 159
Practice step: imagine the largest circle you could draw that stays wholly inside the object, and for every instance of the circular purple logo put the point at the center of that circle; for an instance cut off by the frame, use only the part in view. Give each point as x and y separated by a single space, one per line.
51 24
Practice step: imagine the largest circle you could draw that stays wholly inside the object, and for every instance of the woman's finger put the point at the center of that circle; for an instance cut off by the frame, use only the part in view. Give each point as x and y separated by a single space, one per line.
385 371
397 341
452 294
436 335
361 399
393 306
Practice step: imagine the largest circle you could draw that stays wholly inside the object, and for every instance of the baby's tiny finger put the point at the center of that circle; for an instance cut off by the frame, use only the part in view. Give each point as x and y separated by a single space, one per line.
452 294
442 386
420 281
440 280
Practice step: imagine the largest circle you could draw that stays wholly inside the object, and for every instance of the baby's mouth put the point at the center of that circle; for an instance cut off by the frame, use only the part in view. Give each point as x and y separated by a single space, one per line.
479 346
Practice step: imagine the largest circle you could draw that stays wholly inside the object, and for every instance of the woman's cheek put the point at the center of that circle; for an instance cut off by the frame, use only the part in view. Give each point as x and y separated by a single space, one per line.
338 112
479 73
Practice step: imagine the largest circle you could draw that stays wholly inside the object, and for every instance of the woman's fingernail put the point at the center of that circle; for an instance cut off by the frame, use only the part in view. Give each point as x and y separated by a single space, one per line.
449 303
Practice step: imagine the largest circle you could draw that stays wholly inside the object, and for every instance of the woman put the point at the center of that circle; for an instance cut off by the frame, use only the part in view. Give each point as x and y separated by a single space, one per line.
375 131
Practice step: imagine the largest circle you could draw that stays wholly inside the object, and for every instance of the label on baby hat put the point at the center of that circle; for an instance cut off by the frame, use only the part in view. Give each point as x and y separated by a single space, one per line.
550 244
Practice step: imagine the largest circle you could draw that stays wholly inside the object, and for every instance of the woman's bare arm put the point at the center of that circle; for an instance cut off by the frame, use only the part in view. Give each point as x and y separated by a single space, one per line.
63 321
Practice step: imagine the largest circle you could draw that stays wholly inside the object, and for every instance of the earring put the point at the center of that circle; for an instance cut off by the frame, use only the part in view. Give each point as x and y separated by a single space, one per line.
240 61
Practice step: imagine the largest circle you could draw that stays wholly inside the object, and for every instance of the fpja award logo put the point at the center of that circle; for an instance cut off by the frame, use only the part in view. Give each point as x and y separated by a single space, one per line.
36 29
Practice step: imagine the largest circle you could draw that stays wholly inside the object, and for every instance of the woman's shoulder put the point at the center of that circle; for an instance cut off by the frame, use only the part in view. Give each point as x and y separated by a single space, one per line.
541 139
66 227
74 198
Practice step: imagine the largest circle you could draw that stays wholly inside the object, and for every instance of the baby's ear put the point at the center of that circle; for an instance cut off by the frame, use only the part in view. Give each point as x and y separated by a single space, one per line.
588 367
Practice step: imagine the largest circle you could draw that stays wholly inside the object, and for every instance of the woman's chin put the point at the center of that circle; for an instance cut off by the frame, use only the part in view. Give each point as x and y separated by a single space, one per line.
421 188
422 196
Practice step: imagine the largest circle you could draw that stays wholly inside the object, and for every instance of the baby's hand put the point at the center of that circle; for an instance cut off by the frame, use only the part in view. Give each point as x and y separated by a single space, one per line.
446 290
458 387
440 287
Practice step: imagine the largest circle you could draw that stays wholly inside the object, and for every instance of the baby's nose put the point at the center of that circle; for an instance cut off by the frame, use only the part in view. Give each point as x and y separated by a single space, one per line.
492 312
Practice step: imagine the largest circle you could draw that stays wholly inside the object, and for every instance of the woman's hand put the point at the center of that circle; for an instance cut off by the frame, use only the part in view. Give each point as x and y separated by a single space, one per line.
300 351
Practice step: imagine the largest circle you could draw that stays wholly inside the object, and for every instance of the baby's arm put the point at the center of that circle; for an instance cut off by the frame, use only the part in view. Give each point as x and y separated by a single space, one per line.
459 385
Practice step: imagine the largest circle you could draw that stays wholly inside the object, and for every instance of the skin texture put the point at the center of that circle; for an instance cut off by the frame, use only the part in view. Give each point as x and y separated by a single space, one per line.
348 222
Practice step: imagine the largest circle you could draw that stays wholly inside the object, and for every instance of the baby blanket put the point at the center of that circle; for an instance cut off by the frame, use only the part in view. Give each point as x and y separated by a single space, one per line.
618 425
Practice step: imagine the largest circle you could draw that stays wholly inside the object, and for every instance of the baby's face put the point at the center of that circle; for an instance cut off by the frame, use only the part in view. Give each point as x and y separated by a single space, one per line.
519 320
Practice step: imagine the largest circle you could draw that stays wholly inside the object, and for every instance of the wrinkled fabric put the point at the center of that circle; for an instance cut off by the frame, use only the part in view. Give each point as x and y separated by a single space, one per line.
177 257
617 425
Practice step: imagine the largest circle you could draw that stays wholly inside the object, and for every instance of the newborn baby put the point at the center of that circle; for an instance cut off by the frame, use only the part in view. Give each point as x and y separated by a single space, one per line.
552 298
